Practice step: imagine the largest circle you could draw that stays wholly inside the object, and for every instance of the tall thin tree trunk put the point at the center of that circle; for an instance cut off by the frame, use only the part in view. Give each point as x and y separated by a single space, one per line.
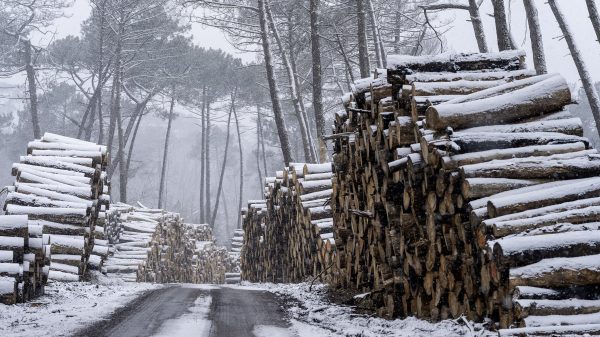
121 151
363 50
594 17
203 156
111 122
207 191
32 87
260 178
226 210
586 80
317 82
101 73
224 164
535 35
293 54
477 26
132 142
241 152
273 88
344 55
398 27
163 170
262 143
377 44
304 132
502 31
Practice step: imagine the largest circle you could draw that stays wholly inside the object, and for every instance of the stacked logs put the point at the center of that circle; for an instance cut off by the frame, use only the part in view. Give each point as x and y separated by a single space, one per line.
442 166
462 186
184 253
152 245
62 188
288 236
129 232
24 259
234 254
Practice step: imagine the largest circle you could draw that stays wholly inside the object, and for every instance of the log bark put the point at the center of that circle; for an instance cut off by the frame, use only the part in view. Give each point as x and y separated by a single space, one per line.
544 97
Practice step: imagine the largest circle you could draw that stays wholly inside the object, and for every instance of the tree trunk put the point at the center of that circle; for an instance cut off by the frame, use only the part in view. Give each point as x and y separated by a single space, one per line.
344 55
132 142
121 151
100 75
502 31
535 35
299 87
241 151
258 131
586 80
224 164
31 84
594 17
377 42
317 84
202 156
477 26
207 191
163 170
304 132
363 50
262 143
273 88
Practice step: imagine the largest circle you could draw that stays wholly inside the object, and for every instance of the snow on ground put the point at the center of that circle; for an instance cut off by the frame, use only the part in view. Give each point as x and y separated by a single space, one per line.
67 307
314 316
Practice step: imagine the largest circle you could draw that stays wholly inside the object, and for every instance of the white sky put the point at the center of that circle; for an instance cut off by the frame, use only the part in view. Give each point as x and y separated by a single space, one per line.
460 37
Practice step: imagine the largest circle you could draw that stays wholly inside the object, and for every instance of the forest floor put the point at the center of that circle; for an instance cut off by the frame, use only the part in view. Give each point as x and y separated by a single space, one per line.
247 310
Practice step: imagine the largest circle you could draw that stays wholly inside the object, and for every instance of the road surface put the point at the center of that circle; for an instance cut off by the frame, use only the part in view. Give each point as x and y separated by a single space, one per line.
187 311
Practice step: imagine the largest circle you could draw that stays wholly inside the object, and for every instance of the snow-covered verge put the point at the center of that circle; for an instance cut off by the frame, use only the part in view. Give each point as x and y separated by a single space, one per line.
67 307
312 315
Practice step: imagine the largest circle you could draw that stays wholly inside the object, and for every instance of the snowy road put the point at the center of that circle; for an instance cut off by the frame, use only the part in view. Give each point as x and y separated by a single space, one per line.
190 311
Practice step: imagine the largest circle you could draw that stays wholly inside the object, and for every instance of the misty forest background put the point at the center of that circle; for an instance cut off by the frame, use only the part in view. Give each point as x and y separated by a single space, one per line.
196 130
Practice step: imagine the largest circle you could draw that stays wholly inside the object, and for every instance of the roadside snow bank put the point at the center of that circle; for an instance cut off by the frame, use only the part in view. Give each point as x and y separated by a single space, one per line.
67 307
313 316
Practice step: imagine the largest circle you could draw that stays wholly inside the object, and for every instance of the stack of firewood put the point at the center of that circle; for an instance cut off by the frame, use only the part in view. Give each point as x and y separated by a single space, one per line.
24 259
462 185
152 245
288 236
185 253
62 189
442 165
234 254
129 232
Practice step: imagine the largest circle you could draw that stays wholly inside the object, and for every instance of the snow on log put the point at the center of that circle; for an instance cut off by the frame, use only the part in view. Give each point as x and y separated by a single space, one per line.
558 272
453 162
540 98
541 196
505 60
523 250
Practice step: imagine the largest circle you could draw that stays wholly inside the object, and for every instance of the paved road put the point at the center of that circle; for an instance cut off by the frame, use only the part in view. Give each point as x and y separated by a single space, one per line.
181 311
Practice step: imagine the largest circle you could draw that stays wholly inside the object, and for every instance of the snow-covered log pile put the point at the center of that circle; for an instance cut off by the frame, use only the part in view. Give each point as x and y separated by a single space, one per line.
24 259
153 245
129 231
463 187
61 188
185 253
234 254
288 236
